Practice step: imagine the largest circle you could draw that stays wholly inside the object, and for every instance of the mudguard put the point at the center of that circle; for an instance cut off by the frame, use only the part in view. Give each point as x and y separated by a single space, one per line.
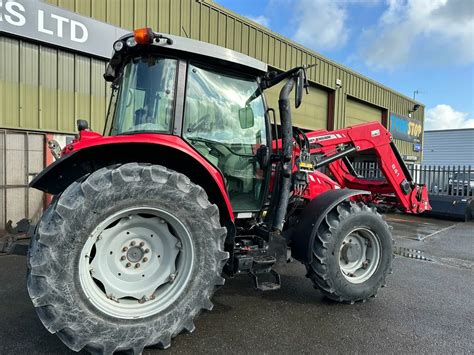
301 235
88 155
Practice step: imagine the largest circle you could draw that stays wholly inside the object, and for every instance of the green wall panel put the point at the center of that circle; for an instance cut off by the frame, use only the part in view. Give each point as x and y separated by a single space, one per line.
66 110
29 84
47 89
358 112
10 82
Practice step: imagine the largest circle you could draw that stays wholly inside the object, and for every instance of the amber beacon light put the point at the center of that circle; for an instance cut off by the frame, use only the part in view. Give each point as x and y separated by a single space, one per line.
144 35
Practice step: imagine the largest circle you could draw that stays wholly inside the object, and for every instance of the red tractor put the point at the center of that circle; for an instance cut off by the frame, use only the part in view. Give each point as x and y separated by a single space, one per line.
191 181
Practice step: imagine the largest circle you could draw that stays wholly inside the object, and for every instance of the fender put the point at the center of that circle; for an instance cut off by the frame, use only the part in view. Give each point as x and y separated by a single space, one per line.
88 155
301 235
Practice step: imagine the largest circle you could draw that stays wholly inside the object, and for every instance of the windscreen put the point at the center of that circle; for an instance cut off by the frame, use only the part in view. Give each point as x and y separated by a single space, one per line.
146 97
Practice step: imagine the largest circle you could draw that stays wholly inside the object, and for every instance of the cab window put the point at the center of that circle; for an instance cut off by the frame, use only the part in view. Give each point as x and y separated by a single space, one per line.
224 119
146 97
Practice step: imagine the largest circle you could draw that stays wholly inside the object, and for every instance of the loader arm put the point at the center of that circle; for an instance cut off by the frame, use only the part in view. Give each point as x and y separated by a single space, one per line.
332 148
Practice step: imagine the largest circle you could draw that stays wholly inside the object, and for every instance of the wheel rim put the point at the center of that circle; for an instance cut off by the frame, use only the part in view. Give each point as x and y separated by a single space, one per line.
136 262
359 255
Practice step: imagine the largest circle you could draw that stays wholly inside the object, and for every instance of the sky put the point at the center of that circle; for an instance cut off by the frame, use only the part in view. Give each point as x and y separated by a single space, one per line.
422 46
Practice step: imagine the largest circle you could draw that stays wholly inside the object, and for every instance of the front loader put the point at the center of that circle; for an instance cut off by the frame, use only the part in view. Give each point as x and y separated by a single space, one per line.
191 181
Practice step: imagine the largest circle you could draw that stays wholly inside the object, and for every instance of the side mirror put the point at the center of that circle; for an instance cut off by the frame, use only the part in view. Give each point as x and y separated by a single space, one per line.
299 88
82 125
246 117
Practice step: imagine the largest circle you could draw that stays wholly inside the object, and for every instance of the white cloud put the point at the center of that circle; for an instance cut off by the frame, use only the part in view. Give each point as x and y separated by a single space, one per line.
261 20
445 117
321 24
420 31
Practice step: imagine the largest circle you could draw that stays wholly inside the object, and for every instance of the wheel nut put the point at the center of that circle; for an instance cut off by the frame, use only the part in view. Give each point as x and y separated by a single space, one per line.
147 250
142 244
132 243
137 265
128 265
123 258
145 260
124 249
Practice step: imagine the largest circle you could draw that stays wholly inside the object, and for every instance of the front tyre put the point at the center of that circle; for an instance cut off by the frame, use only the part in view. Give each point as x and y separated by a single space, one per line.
352 253
125 259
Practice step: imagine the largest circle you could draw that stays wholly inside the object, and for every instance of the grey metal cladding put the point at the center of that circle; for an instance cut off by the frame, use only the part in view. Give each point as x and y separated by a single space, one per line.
449 147
38 21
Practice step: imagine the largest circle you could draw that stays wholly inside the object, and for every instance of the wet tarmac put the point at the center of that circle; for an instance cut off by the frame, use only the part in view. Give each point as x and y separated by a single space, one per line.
427 307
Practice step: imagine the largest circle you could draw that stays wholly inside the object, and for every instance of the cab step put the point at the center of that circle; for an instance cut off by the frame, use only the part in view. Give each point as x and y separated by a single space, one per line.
262 269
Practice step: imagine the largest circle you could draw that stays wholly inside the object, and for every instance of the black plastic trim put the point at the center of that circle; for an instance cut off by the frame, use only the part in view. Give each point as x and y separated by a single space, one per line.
301 235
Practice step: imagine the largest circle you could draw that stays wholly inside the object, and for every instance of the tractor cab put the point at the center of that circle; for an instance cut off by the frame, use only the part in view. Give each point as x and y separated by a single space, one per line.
171 86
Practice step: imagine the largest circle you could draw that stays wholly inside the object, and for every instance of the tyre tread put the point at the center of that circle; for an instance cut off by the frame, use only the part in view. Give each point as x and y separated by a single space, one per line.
317 270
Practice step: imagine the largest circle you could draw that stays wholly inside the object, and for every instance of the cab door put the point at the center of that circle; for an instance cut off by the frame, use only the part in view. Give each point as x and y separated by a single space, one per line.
224 120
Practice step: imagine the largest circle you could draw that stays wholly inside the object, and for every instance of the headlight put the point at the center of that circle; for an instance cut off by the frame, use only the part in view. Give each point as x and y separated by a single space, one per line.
118 46
131 42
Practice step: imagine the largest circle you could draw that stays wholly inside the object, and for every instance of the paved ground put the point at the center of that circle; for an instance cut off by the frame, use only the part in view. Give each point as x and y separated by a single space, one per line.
427 307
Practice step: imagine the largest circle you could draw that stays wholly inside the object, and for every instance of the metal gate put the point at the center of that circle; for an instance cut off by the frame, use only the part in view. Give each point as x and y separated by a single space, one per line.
22 156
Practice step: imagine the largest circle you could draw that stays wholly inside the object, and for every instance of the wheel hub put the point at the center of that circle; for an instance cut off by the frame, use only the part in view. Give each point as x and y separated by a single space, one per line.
139 259
135 254
359 255
351 252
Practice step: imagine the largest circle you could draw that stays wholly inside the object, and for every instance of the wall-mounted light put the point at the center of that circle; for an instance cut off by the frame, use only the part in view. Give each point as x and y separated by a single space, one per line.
414 109
338 83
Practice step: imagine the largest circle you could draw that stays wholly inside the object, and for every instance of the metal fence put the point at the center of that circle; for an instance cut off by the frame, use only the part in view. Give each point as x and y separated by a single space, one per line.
368 170
445 180
21 158
440 180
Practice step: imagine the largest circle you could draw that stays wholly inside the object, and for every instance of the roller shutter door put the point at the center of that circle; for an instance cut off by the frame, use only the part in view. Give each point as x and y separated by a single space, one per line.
357 112
313 112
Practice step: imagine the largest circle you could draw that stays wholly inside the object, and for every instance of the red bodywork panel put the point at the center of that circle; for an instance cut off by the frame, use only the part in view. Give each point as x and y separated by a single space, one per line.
88 139
368 136
364 137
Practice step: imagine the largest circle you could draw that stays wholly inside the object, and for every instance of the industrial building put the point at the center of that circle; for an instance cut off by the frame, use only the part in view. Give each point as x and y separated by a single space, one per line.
449 147
53 54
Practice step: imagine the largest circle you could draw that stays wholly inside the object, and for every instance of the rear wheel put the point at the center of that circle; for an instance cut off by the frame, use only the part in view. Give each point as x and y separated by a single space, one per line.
352 253
125 259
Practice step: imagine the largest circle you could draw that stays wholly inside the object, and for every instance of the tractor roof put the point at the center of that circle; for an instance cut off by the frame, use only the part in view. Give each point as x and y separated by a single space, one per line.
193 49
215 52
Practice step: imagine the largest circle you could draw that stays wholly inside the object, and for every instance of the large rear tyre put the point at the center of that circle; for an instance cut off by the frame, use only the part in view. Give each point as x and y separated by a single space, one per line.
125 259
352 253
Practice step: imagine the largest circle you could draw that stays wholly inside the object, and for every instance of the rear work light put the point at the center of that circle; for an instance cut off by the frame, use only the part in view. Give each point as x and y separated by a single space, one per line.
144 35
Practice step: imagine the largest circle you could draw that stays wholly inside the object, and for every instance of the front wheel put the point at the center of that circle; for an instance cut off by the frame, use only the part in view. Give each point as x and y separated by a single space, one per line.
125 259
352 253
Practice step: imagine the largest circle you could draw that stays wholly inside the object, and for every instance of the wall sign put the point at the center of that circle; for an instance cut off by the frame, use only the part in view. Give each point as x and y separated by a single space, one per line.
42 22
417 147
410 158
405 128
